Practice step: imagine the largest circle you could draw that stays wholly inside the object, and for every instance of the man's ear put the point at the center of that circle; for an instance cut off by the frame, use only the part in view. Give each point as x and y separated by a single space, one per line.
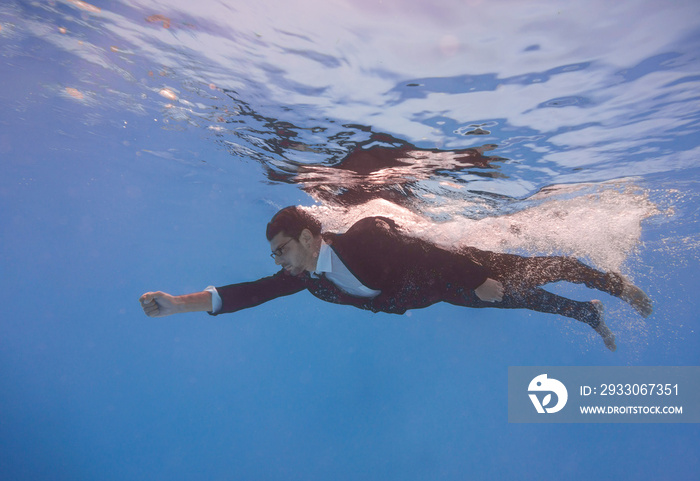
306 238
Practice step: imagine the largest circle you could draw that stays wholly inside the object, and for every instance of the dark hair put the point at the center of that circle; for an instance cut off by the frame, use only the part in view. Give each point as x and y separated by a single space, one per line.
291 221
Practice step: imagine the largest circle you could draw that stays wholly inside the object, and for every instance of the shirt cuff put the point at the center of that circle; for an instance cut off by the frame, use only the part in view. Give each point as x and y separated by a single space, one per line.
215 299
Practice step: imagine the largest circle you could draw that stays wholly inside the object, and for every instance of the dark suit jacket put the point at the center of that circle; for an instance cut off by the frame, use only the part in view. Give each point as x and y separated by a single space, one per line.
410 273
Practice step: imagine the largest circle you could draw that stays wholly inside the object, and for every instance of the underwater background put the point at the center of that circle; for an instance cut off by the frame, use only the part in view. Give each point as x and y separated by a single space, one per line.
144 145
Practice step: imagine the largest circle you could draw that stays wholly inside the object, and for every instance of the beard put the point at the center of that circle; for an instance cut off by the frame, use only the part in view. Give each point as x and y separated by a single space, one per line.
293 271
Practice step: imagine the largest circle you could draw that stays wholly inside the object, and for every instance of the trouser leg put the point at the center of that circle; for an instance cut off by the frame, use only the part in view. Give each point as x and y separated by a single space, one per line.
543 270
530 272
544 301
536 299
523 276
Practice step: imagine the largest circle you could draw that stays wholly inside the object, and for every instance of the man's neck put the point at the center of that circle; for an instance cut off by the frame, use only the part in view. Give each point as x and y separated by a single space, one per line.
315 250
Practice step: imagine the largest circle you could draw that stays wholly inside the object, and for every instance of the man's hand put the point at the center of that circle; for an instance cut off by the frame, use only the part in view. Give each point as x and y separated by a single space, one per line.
158 304
490 291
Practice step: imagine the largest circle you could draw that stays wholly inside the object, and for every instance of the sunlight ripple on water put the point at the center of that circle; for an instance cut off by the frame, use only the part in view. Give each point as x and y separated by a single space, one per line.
518 132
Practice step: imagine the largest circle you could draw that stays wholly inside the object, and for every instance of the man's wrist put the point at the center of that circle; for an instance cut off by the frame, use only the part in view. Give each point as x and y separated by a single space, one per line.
197 302
180 304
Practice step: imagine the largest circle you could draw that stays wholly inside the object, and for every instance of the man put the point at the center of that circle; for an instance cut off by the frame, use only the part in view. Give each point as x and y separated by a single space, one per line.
376 266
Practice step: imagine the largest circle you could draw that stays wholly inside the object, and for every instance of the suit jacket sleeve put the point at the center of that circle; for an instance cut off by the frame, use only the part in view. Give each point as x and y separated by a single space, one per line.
235 297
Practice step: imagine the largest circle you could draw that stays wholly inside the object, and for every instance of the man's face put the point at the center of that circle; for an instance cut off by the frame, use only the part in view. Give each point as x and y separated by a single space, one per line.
292 254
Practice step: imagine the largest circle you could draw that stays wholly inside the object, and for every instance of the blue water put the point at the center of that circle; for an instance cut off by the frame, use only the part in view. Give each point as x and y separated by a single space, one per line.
136 157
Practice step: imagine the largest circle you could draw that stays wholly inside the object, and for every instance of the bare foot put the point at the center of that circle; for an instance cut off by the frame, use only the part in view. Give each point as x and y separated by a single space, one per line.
636 298
603 329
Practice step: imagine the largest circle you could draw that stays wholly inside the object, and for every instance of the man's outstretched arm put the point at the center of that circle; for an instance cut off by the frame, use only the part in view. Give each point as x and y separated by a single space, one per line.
161 304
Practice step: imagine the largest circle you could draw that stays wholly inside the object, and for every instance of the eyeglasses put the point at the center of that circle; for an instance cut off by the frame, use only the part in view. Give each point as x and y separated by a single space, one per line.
279 251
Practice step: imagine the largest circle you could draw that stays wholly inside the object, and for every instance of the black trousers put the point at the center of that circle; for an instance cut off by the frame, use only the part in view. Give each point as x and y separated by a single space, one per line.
523 276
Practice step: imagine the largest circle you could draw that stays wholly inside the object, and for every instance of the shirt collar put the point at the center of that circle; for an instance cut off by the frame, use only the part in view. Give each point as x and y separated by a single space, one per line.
324 262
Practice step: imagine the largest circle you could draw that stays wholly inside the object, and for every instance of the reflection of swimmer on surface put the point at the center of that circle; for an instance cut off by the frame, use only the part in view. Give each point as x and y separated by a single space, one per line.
376 266
383 168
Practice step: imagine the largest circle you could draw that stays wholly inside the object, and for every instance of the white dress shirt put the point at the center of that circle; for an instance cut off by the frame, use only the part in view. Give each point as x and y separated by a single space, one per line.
336 272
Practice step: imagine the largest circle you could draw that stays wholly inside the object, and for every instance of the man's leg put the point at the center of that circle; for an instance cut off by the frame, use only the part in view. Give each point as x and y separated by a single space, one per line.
531 272
539 300
537 271
542 270
589 312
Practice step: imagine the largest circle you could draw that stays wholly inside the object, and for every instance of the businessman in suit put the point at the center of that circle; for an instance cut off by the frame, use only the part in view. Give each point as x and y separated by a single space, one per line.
377 266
